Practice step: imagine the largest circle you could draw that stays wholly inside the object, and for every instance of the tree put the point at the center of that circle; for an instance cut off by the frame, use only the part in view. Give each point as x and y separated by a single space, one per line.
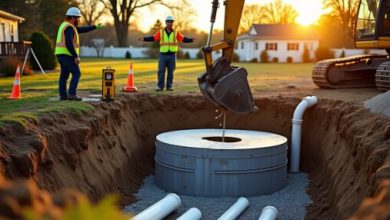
264 57
278 12
41 15
91 10
153 51
99 45
251 14
26 9
121 11
183 13
52 14
323 53
43 49
345 12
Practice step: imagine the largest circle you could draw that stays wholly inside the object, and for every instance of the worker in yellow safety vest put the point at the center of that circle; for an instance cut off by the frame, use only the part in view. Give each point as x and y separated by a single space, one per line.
168 39
68 52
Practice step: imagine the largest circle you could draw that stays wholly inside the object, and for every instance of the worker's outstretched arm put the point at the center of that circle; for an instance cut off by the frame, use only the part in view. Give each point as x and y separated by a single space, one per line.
85 29
152 38
181 38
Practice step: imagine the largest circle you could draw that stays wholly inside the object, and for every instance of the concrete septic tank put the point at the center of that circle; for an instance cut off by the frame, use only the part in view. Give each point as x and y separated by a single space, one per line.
195 162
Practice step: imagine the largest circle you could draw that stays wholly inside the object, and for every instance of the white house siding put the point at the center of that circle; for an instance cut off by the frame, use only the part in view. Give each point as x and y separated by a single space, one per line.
6 26
249 52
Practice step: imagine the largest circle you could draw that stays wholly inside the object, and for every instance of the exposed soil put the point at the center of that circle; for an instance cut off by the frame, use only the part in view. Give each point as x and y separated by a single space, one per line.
345 148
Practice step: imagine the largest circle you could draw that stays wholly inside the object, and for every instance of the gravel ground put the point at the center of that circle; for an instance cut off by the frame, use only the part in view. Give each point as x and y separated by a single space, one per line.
290 201
379 103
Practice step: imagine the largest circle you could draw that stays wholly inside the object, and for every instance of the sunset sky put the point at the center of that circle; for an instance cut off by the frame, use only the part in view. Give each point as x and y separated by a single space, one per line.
309 12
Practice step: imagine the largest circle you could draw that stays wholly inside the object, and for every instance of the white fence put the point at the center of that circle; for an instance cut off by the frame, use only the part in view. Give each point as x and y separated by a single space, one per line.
140 52
351 52
120 52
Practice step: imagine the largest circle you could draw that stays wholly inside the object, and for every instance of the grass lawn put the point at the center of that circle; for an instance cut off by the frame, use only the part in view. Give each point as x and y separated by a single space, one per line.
37 89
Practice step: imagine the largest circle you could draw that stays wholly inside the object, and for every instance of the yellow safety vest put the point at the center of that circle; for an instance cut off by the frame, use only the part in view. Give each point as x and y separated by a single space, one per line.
168 44
60 42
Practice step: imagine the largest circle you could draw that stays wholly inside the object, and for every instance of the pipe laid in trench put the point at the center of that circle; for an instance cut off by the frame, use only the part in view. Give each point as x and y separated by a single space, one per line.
269 213
191 214
235 210
160 209
296 132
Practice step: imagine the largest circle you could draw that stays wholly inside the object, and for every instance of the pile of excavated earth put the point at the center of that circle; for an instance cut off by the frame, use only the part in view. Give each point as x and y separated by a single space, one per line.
345 150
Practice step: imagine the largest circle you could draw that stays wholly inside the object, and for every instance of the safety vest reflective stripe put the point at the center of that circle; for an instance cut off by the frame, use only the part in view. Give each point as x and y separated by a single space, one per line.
60 42
168 43
173 44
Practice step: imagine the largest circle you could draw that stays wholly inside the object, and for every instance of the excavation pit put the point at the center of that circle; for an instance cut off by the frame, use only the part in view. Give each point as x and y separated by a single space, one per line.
249 163
111 149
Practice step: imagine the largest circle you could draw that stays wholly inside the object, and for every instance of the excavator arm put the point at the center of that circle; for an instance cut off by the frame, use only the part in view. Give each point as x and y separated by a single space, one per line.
223 84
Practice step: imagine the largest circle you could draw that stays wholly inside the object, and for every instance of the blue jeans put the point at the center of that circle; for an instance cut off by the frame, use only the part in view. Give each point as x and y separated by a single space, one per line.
167 61
68 66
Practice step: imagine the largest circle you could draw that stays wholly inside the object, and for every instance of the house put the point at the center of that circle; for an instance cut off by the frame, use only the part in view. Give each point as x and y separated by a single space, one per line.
283 42
9 24
10 44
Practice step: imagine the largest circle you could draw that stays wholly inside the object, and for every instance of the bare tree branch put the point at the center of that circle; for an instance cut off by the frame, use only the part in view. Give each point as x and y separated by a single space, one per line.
345 11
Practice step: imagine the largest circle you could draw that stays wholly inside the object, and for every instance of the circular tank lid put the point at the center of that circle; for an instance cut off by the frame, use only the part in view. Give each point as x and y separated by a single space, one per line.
203 138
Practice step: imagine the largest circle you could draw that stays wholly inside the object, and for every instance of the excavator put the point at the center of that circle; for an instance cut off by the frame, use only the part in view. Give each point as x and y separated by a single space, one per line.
227 86
223 84
372 31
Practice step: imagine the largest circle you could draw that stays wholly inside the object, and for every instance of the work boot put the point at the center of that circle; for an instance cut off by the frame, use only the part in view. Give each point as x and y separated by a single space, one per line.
158 89
169 89
74 98
63 98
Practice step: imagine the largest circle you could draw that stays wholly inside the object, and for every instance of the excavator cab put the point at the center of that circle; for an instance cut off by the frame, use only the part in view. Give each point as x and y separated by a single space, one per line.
223 84
372 29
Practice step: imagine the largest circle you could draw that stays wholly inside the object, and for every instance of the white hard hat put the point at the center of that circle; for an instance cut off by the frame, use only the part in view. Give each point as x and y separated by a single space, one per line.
170 18
73 11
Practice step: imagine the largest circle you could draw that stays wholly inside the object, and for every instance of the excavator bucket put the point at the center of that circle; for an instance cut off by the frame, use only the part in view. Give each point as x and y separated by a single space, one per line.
229 89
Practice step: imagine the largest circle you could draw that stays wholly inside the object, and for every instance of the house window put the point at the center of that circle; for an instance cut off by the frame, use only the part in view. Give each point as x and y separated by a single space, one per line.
292 46
242 45
271 46
256 46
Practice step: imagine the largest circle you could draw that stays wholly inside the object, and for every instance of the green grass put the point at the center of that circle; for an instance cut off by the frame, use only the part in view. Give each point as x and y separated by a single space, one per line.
37 89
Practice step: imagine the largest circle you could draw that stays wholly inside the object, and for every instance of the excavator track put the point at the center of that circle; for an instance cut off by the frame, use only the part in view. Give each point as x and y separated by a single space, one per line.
382 76
348 72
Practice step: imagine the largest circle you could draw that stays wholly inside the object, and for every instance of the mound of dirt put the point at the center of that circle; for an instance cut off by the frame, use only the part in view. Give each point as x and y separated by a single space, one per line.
345 147
15 197
379 103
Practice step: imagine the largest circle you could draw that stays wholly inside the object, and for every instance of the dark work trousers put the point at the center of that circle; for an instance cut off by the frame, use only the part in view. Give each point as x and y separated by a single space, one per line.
68 66
167 61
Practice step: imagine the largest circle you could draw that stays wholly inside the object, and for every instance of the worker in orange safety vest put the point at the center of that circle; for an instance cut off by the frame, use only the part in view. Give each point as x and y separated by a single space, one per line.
168 39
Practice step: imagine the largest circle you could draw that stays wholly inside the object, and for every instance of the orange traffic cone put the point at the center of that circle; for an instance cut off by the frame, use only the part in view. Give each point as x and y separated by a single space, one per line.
16 93
130 81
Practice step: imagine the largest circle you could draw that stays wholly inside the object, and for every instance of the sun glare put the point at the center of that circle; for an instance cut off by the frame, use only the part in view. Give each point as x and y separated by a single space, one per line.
309 11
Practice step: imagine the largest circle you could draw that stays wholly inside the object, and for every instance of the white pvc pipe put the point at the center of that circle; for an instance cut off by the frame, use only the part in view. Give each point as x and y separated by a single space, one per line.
269 213
297 121
236 209
191 214
160 209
